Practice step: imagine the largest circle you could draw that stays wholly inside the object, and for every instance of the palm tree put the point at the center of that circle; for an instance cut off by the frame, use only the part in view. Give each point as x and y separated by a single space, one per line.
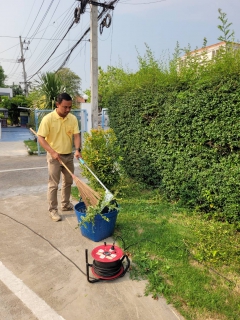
49 86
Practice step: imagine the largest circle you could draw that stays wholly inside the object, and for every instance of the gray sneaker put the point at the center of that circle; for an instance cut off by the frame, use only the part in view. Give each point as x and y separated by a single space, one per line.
55 216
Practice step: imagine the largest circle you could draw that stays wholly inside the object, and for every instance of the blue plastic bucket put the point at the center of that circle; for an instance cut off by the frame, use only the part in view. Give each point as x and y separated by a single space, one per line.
101 229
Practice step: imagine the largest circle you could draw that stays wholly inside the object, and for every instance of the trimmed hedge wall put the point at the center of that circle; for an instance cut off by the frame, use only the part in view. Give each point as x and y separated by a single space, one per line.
179 131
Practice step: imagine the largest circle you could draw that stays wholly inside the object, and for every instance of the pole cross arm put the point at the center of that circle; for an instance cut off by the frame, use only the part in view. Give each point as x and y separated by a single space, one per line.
107 6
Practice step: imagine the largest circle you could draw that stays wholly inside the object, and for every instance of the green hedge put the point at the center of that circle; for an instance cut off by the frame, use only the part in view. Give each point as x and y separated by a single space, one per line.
179 131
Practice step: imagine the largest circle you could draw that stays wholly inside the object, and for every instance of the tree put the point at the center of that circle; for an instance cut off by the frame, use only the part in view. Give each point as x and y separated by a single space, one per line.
70 81
2 77
107 81
12 106
17 90
49 86
224 27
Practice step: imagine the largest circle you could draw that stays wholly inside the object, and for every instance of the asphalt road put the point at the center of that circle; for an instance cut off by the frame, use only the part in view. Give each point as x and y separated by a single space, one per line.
22 175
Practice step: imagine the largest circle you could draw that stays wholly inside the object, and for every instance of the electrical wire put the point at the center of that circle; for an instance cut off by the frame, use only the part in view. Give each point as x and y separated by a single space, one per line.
54 22
9 48
68 52
86 32
41 22
84 47
13 71
52 52
72 49
41 38
29 15
16 67
45 29
49 46
8 60
35 18
52 245
141 3
124 249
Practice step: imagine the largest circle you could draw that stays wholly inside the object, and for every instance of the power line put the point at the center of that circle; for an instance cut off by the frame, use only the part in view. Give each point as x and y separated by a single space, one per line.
9 48
140 3
53 51
8 60
104 10
49 46
41 22
39 39
29 15
35 18
45 28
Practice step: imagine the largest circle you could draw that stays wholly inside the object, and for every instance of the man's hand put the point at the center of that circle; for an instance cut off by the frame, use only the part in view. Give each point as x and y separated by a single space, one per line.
77 154
55 155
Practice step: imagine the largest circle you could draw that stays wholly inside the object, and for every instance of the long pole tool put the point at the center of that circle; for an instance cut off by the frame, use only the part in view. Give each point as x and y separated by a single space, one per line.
89 196
108 195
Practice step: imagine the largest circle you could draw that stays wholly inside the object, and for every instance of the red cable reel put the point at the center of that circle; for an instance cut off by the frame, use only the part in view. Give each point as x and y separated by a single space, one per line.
107 263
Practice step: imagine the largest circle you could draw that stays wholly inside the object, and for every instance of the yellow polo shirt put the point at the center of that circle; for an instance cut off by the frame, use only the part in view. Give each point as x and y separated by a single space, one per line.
58 131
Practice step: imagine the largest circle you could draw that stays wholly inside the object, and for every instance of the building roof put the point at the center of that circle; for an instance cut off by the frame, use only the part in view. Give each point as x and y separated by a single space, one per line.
211 47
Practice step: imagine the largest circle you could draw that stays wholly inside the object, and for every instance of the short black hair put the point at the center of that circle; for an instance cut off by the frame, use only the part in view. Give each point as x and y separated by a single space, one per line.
63 96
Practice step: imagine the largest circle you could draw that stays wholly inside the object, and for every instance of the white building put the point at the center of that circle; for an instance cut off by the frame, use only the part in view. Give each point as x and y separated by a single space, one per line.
207 53
6 92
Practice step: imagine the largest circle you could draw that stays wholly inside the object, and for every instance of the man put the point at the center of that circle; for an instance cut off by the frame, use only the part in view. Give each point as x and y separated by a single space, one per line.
55 134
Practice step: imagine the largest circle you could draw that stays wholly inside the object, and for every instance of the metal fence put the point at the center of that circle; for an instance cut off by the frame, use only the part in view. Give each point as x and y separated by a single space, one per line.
80 114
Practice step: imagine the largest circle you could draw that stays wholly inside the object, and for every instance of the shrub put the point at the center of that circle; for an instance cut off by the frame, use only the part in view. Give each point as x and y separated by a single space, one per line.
101 154
179 132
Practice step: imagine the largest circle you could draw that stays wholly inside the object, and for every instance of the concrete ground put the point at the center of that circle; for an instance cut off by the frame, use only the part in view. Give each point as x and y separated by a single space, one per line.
42 263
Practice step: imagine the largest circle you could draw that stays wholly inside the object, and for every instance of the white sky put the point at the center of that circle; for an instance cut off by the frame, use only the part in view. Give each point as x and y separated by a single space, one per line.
159 24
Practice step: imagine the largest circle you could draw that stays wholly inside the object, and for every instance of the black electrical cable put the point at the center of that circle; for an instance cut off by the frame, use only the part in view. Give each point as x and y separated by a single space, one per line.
71 50
45 240
99 268
133 244
109 269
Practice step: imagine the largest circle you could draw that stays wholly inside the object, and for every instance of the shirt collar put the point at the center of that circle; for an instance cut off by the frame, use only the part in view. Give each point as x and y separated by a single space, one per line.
57 116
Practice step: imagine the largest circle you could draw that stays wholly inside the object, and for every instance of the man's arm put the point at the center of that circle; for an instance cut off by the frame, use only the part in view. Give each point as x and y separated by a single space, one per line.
77 144
47 147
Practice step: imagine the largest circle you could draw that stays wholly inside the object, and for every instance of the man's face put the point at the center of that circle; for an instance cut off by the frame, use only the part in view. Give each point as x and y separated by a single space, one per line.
64 108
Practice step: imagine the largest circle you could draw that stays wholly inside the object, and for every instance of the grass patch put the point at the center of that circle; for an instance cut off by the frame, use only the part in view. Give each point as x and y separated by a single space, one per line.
75 193
192 262
33 147
31 144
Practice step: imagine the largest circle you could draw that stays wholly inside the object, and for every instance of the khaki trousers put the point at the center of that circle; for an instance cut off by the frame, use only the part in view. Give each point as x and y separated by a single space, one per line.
55 171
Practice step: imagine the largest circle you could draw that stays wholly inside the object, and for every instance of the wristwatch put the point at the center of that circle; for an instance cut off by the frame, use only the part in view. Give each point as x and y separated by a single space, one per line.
79 149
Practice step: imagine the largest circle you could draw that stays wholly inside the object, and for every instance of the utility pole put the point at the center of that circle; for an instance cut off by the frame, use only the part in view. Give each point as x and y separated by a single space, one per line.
22 59
94 63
